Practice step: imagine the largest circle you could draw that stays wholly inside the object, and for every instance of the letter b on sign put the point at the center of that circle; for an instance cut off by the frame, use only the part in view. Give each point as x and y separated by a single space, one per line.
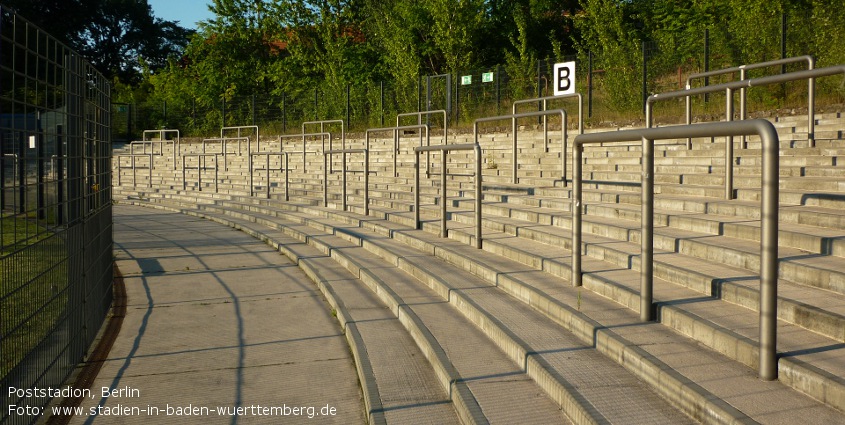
564 78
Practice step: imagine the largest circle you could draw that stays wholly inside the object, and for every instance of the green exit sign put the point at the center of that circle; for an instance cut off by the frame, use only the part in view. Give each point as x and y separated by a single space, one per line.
487 77
466 80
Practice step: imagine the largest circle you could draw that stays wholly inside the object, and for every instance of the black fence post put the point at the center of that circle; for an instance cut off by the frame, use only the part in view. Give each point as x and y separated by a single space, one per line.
706 61
645 75
590 83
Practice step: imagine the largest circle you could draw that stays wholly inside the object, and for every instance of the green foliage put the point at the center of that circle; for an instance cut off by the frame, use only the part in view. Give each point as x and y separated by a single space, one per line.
115 36
520 65
286 52
608 29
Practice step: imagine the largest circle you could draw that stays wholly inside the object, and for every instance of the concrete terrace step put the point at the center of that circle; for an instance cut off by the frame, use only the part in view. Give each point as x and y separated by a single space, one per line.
602 403
398 383
388 360
822 391
609 244
650 332
460 286
836 328
411 299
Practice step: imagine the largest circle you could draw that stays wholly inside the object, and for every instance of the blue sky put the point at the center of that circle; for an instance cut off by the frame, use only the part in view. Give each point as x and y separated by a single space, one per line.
188 12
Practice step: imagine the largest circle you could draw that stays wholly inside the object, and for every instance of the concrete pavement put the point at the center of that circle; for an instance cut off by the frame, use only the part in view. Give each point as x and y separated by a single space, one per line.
219 328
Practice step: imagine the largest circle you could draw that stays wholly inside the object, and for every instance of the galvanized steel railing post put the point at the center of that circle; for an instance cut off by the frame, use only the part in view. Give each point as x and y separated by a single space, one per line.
267 165
743 107
729 147
395 152
477 149
647 233
366 182
325 180
577 154
769 254
287 187
342 180
417 189
443 164
768 209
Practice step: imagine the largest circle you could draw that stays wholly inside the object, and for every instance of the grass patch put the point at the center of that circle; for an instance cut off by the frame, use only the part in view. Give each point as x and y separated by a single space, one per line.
33 287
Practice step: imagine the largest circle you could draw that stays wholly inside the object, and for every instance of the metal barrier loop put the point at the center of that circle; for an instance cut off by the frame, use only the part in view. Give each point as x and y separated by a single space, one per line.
742 69
728 87
322 130
283 157
201 165
133 167
343 153
768 207
545 101
444 149
223 150
303 136
395 131
514 151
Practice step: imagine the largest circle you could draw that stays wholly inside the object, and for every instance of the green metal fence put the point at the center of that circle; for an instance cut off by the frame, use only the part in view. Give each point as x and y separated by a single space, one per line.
55 199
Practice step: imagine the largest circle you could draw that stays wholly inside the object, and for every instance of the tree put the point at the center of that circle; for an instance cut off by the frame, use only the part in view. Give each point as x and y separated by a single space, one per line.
116 36
608 28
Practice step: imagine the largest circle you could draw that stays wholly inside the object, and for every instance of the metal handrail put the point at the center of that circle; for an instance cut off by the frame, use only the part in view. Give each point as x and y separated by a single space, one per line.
322 135
223 151
282 167
322 129
244 127
444 150
152 143
768 213
742 106
395 131
343 152
162 134
729 87
133 167
513 118
248 142
200 166
419 116
545 100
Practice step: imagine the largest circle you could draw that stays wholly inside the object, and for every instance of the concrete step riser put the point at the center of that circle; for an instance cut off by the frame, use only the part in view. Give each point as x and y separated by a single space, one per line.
612 347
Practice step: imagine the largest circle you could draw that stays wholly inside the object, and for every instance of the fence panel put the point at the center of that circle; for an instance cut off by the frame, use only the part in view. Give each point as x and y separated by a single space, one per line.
55 212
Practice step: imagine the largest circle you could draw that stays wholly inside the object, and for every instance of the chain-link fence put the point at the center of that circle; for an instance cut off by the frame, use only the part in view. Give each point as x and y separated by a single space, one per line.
56 225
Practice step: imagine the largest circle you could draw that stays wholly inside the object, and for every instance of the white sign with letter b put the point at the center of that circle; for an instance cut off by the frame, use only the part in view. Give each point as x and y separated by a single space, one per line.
564 78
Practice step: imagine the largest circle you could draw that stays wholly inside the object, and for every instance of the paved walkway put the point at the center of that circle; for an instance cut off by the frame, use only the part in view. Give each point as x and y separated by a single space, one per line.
219 328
